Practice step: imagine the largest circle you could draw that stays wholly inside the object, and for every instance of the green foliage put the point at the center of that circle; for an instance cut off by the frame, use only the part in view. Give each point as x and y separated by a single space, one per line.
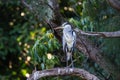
18 32
42 51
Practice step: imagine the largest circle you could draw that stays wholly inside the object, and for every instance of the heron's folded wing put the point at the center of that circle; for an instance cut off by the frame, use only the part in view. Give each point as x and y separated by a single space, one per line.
74 35
63 43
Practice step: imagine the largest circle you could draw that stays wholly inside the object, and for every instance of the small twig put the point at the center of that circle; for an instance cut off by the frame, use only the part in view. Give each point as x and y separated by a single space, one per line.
74 60
26 5
50 6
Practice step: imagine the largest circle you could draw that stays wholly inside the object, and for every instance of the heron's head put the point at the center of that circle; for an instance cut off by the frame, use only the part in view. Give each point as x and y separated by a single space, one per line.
66 26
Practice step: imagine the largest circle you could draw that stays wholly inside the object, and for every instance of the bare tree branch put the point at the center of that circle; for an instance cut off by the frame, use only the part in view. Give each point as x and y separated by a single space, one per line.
100 34
97 34
62 72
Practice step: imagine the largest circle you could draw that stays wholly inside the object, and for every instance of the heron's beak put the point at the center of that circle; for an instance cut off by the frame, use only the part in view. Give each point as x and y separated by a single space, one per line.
59 27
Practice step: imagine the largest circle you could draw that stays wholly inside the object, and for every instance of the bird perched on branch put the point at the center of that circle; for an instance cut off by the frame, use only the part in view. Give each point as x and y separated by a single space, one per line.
68 41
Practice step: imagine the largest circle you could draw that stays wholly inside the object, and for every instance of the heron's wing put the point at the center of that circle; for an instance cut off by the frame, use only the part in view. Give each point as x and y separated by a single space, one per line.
74 35
63 43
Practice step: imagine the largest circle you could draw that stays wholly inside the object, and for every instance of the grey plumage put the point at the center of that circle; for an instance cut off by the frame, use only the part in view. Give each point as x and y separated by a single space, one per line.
69 40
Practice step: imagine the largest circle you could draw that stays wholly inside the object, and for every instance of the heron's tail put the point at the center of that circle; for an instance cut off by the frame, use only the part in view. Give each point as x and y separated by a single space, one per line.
69 54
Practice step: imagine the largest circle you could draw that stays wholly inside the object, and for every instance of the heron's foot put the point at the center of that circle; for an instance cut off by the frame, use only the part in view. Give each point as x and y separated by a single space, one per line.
71 65
67 66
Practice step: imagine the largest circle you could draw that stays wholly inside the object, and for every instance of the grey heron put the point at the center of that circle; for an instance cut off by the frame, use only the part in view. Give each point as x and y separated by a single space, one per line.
68 41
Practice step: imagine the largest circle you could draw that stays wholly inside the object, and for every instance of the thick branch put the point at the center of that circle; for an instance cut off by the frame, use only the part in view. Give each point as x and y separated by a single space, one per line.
63 72
100 34
97 34
115 4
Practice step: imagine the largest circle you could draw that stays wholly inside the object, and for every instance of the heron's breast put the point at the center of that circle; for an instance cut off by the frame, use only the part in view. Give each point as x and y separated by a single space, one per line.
69 42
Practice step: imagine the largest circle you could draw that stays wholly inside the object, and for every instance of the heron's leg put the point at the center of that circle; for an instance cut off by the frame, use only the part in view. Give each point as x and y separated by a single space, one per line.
72 62
66 56
66 61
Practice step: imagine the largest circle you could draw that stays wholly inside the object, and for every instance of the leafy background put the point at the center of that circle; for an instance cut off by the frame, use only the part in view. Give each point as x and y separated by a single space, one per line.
26 41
